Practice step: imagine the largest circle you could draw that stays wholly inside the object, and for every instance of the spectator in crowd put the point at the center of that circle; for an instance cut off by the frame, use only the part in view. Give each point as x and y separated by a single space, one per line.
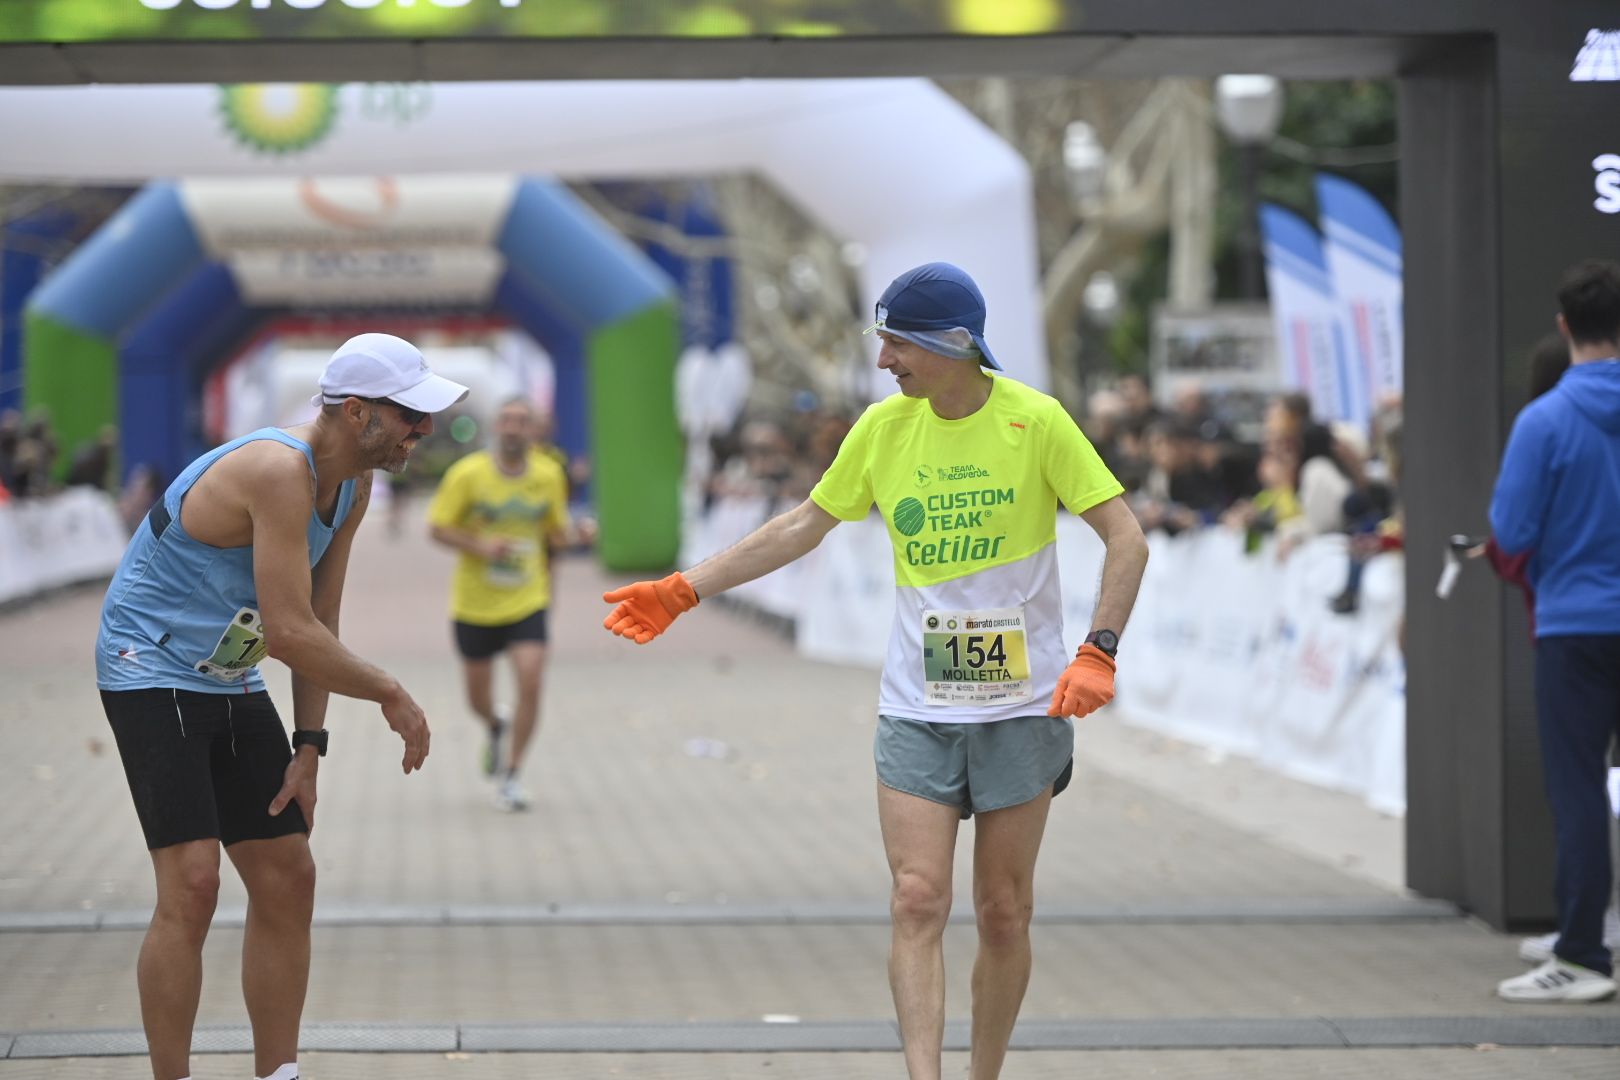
37 431
30 468
10 440
1274 506
1119 444
1373 512
1140 411
92 464
762 468
1179 494
1558 497
1323 483
1191 405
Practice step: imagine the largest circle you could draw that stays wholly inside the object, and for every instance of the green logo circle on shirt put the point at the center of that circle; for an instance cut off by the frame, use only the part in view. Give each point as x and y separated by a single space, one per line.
909 516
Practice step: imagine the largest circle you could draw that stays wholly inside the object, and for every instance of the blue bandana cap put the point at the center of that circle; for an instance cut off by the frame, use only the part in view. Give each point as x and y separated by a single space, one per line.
938 307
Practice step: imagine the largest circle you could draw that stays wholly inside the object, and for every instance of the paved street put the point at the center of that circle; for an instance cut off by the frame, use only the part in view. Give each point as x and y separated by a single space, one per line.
703 855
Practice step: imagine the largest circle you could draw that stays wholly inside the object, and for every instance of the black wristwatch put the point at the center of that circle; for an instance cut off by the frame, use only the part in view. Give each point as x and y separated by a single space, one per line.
1106 640
317 739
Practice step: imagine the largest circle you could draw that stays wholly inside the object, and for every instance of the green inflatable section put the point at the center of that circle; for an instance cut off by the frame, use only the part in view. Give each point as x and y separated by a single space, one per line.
639 449
80 382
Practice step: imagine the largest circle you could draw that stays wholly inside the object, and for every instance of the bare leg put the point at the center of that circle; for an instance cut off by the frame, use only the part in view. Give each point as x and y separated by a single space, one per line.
169 971
1005 843
919 838
528 663
280 879
480 679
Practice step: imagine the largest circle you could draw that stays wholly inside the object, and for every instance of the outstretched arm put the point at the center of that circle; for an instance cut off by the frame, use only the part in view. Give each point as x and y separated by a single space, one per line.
772 546
645 609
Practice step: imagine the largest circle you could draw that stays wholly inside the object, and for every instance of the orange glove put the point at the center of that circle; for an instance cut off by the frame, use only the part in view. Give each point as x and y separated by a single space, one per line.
1086 685
648 607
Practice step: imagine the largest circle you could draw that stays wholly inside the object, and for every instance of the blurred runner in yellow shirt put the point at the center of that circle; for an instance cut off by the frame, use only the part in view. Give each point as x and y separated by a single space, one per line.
502 509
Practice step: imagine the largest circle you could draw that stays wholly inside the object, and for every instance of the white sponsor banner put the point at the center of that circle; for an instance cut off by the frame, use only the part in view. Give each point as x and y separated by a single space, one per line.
355 239
367 276
345 211
58 540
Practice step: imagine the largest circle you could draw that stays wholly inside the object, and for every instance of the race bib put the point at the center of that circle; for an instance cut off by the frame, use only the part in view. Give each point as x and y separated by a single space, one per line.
240 648
975 657
515 568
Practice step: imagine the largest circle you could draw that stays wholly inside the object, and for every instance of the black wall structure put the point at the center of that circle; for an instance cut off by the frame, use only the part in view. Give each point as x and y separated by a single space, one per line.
1497 198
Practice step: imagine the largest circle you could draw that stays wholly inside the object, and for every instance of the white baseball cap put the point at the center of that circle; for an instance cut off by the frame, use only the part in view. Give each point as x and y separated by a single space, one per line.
384 366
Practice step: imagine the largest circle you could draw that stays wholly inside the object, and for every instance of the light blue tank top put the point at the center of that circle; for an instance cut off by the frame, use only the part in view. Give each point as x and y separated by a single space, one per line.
184 614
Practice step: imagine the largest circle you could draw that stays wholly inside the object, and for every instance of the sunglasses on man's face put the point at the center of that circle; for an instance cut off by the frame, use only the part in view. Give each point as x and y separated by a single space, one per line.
409 415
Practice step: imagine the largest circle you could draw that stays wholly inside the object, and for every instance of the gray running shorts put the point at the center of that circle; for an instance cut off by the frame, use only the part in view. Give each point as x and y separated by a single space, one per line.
976 767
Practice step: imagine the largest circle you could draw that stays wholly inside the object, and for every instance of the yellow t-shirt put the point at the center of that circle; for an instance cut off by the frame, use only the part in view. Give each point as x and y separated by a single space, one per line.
477 496
971 508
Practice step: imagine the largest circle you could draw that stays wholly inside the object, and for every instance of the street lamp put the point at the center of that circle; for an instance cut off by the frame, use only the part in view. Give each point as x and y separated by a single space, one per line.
1249 109
1085 164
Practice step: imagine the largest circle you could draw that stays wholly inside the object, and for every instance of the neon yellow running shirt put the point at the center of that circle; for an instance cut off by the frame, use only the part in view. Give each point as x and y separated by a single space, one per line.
971 509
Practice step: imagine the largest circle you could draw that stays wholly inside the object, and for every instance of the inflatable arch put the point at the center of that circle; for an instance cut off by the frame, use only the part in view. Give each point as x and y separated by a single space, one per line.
128 328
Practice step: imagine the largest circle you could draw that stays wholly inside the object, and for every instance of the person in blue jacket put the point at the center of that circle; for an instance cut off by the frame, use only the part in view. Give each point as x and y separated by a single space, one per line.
244 557
1558 497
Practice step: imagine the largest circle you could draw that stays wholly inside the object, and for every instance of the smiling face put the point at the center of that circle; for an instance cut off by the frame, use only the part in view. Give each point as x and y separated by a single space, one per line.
918 372
389 437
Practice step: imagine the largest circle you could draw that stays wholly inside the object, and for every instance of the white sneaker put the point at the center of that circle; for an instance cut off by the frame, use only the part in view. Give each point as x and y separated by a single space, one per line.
1557 981
512 796
1535 950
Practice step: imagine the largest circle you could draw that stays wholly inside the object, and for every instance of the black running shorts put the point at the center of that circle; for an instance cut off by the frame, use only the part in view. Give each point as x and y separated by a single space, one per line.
483 642
203 766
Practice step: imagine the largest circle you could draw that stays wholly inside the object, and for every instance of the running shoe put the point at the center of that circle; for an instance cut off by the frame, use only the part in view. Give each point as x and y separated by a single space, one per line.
512 796
1536 950
1557 981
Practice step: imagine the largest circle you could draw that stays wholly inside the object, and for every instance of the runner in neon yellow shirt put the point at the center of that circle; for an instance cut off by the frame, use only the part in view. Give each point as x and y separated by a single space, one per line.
966 469
502 510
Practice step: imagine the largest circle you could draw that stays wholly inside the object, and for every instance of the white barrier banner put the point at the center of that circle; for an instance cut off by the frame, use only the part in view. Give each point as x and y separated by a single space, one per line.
58 540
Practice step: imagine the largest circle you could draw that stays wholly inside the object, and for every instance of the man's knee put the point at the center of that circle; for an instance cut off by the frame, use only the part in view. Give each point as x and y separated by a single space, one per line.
918 903
189 892
528 662
284 879
1003 917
